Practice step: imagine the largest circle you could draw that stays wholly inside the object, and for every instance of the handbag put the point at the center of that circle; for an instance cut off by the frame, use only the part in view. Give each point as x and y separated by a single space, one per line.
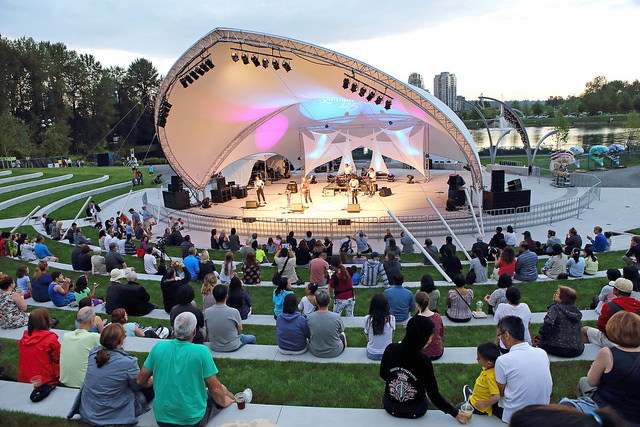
278 275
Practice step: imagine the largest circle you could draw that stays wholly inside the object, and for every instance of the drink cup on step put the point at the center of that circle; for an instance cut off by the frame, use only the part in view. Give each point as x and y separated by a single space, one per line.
467 409
36 380
241 400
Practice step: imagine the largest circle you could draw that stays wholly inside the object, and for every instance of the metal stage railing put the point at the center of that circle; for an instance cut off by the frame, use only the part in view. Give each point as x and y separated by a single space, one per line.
461 222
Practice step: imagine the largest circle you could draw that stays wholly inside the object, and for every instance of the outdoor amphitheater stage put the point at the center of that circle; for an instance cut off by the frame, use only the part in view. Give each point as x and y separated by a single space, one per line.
406 199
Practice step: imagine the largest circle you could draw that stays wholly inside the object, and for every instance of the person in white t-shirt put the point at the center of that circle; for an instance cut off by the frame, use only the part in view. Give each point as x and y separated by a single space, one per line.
259 185
523 374
308 302
513 307
150 263
379 327
43 222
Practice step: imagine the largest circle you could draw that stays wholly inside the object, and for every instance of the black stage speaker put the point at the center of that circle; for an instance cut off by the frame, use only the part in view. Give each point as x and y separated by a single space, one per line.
344 222
353 208
455 182
104 159
458 197
385 191
251 204
176 180
175 187
176 200
239 192
221 182
292 186
515 185
221 196
506 200
297 207
497 181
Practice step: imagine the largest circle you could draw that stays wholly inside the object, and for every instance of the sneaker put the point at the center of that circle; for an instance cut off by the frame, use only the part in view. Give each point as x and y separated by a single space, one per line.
467 392
248 395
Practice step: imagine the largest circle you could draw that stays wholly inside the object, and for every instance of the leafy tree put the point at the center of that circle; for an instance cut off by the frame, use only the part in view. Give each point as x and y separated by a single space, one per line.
561 125
633 125
595 85
537 108
15 137
56 140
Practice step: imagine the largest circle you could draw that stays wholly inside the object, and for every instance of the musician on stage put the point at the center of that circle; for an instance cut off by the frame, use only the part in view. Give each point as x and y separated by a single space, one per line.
259 184
306 190
347 169
354 184
372 181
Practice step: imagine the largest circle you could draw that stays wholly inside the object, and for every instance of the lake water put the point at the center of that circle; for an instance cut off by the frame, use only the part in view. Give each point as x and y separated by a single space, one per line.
583 136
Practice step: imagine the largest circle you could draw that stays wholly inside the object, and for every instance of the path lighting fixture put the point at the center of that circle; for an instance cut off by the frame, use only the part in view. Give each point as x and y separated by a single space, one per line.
255 60
371 95
286 66
354 86
345 83
275 64
378 100
387 105
245 58
235 57
265 62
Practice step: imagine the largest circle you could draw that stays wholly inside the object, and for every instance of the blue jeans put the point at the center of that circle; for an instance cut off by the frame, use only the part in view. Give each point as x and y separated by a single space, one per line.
247 339
373 356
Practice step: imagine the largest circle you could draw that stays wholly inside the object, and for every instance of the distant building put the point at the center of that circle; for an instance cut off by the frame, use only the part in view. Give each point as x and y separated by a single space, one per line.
445 89
460 103
416 80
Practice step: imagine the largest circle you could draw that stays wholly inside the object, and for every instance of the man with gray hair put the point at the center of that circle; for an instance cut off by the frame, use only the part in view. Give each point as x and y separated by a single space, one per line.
75 347
187 391
327 330
134 298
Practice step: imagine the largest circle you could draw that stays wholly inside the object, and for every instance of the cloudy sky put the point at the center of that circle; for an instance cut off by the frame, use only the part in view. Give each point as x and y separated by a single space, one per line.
509 49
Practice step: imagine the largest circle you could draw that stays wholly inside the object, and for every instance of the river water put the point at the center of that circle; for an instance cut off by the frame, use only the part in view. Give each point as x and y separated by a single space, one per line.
580 136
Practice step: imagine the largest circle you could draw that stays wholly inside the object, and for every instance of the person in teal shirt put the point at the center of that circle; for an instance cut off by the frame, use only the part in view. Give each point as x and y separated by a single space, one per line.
187 391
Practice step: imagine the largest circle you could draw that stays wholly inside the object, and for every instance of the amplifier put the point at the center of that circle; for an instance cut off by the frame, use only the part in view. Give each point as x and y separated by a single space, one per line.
251 204
515 185
385 191
297 207
353 208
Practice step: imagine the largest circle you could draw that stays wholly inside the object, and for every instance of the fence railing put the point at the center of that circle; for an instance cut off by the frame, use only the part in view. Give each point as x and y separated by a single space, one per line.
420 226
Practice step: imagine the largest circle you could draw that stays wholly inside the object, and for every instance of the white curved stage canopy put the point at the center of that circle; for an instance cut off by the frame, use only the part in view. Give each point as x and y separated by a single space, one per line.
236 113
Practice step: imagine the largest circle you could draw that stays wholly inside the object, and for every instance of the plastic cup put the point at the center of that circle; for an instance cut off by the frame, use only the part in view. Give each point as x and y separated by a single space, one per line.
241 400
36 380
467 409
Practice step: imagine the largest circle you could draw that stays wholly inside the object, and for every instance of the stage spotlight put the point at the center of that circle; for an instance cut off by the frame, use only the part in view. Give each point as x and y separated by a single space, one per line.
235 57
354 86
188 78
387 105
204 67
371 95
184 82
326 126
390 122
194 75
275 64
255 60
209 63
265 62
286 66
245 58
345 83
378 100
363 91
199 71
410 177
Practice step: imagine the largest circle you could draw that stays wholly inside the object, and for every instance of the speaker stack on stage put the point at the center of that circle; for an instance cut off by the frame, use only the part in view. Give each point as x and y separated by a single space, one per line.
177 197
222 193
497 198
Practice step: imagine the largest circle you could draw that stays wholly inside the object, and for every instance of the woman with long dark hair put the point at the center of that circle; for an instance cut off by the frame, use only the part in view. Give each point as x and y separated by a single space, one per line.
590 261
379 326
506 263
239 298
170 285
478 272
428 285
279 293
434 348
575 264
39 350
556 264
292 331
40 283
450 263
251 270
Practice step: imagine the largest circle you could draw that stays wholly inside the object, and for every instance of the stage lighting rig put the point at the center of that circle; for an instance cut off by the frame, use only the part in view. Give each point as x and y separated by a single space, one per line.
199 71
387 105
354 86
184 82
245 59
370 96
261 58
235 57
363 91
378 100
286 66
265 62
209 63
275 64
255 60
345 83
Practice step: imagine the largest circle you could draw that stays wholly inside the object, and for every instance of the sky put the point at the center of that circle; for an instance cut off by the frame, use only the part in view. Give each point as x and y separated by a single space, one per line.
505 49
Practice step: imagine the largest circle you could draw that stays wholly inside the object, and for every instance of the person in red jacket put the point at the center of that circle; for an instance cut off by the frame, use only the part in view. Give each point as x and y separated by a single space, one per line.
39 350
622 289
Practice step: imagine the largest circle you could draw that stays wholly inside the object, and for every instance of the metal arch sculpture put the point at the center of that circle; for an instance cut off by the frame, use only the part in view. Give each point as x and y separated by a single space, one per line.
511 116
492 153
261 40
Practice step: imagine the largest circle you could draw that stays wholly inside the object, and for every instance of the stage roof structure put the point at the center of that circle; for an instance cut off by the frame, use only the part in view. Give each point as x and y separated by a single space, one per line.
237 94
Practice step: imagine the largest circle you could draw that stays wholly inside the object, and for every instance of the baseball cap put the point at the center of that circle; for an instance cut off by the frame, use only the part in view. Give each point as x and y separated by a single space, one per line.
375 255
623 285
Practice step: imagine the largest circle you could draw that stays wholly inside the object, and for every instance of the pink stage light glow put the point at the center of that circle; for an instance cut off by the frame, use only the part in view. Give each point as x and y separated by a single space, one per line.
270 133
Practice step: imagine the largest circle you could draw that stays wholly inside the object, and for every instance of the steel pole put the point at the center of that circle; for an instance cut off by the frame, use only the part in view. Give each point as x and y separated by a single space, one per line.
25 219
449 229
473 212
77 215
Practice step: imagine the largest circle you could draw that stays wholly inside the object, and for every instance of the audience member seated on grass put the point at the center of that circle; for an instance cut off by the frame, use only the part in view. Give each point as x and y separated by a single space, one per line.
498 296
272 248
134 298
114 297
379 326
623 302
358 259
223 241
326 329
120 240
428 286
206 266
175 238
139 233
75 347
114 259
523 374
370 271
563 416
251 270
80 239
600 241
60 290
239 298
110 394
303 254
485 394
292 331
170 284
285 261
39 350
184 298
150 262
81 289
497 236
261 256
187 391
572 240
209 282
556 264
480 244
526 268
80 258
328 244
407 243
534 246
505 263
346 245
510 237
448 244
42 252
308 302
228 269
58 231
575 264
405 367
40 283
131 329
560 331
393 249
459 301
590 261
144 244
129 246
632 256
245 249
400 300
606 293
214 239
362 244
224 325
434 348
552 239
478 268
342 287
283 287
23 282
27 250
629 273
513 307
614 376
192 263
98 262
98 323
12 304
234 241
392 266
431 250
450 263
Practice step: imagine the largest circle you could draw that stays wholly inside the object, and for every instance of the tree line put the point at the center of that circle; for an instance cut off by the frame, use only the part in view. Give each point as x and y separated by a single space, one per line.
55 101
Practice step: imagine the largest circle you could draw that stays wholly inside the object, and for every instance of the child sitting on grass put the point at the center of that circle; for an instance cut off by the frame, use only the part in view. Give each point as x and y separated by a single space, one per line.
485 395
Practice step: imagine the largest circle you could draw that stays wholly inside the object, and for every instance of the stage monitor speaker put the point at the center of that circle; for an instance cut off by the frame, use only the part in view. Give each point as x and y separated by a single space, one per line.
221 182
176 180
506 200
385 191
497 181
176 200
344 222
248 220
251 204
515 185
175 187
292 186
353 208
297 207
